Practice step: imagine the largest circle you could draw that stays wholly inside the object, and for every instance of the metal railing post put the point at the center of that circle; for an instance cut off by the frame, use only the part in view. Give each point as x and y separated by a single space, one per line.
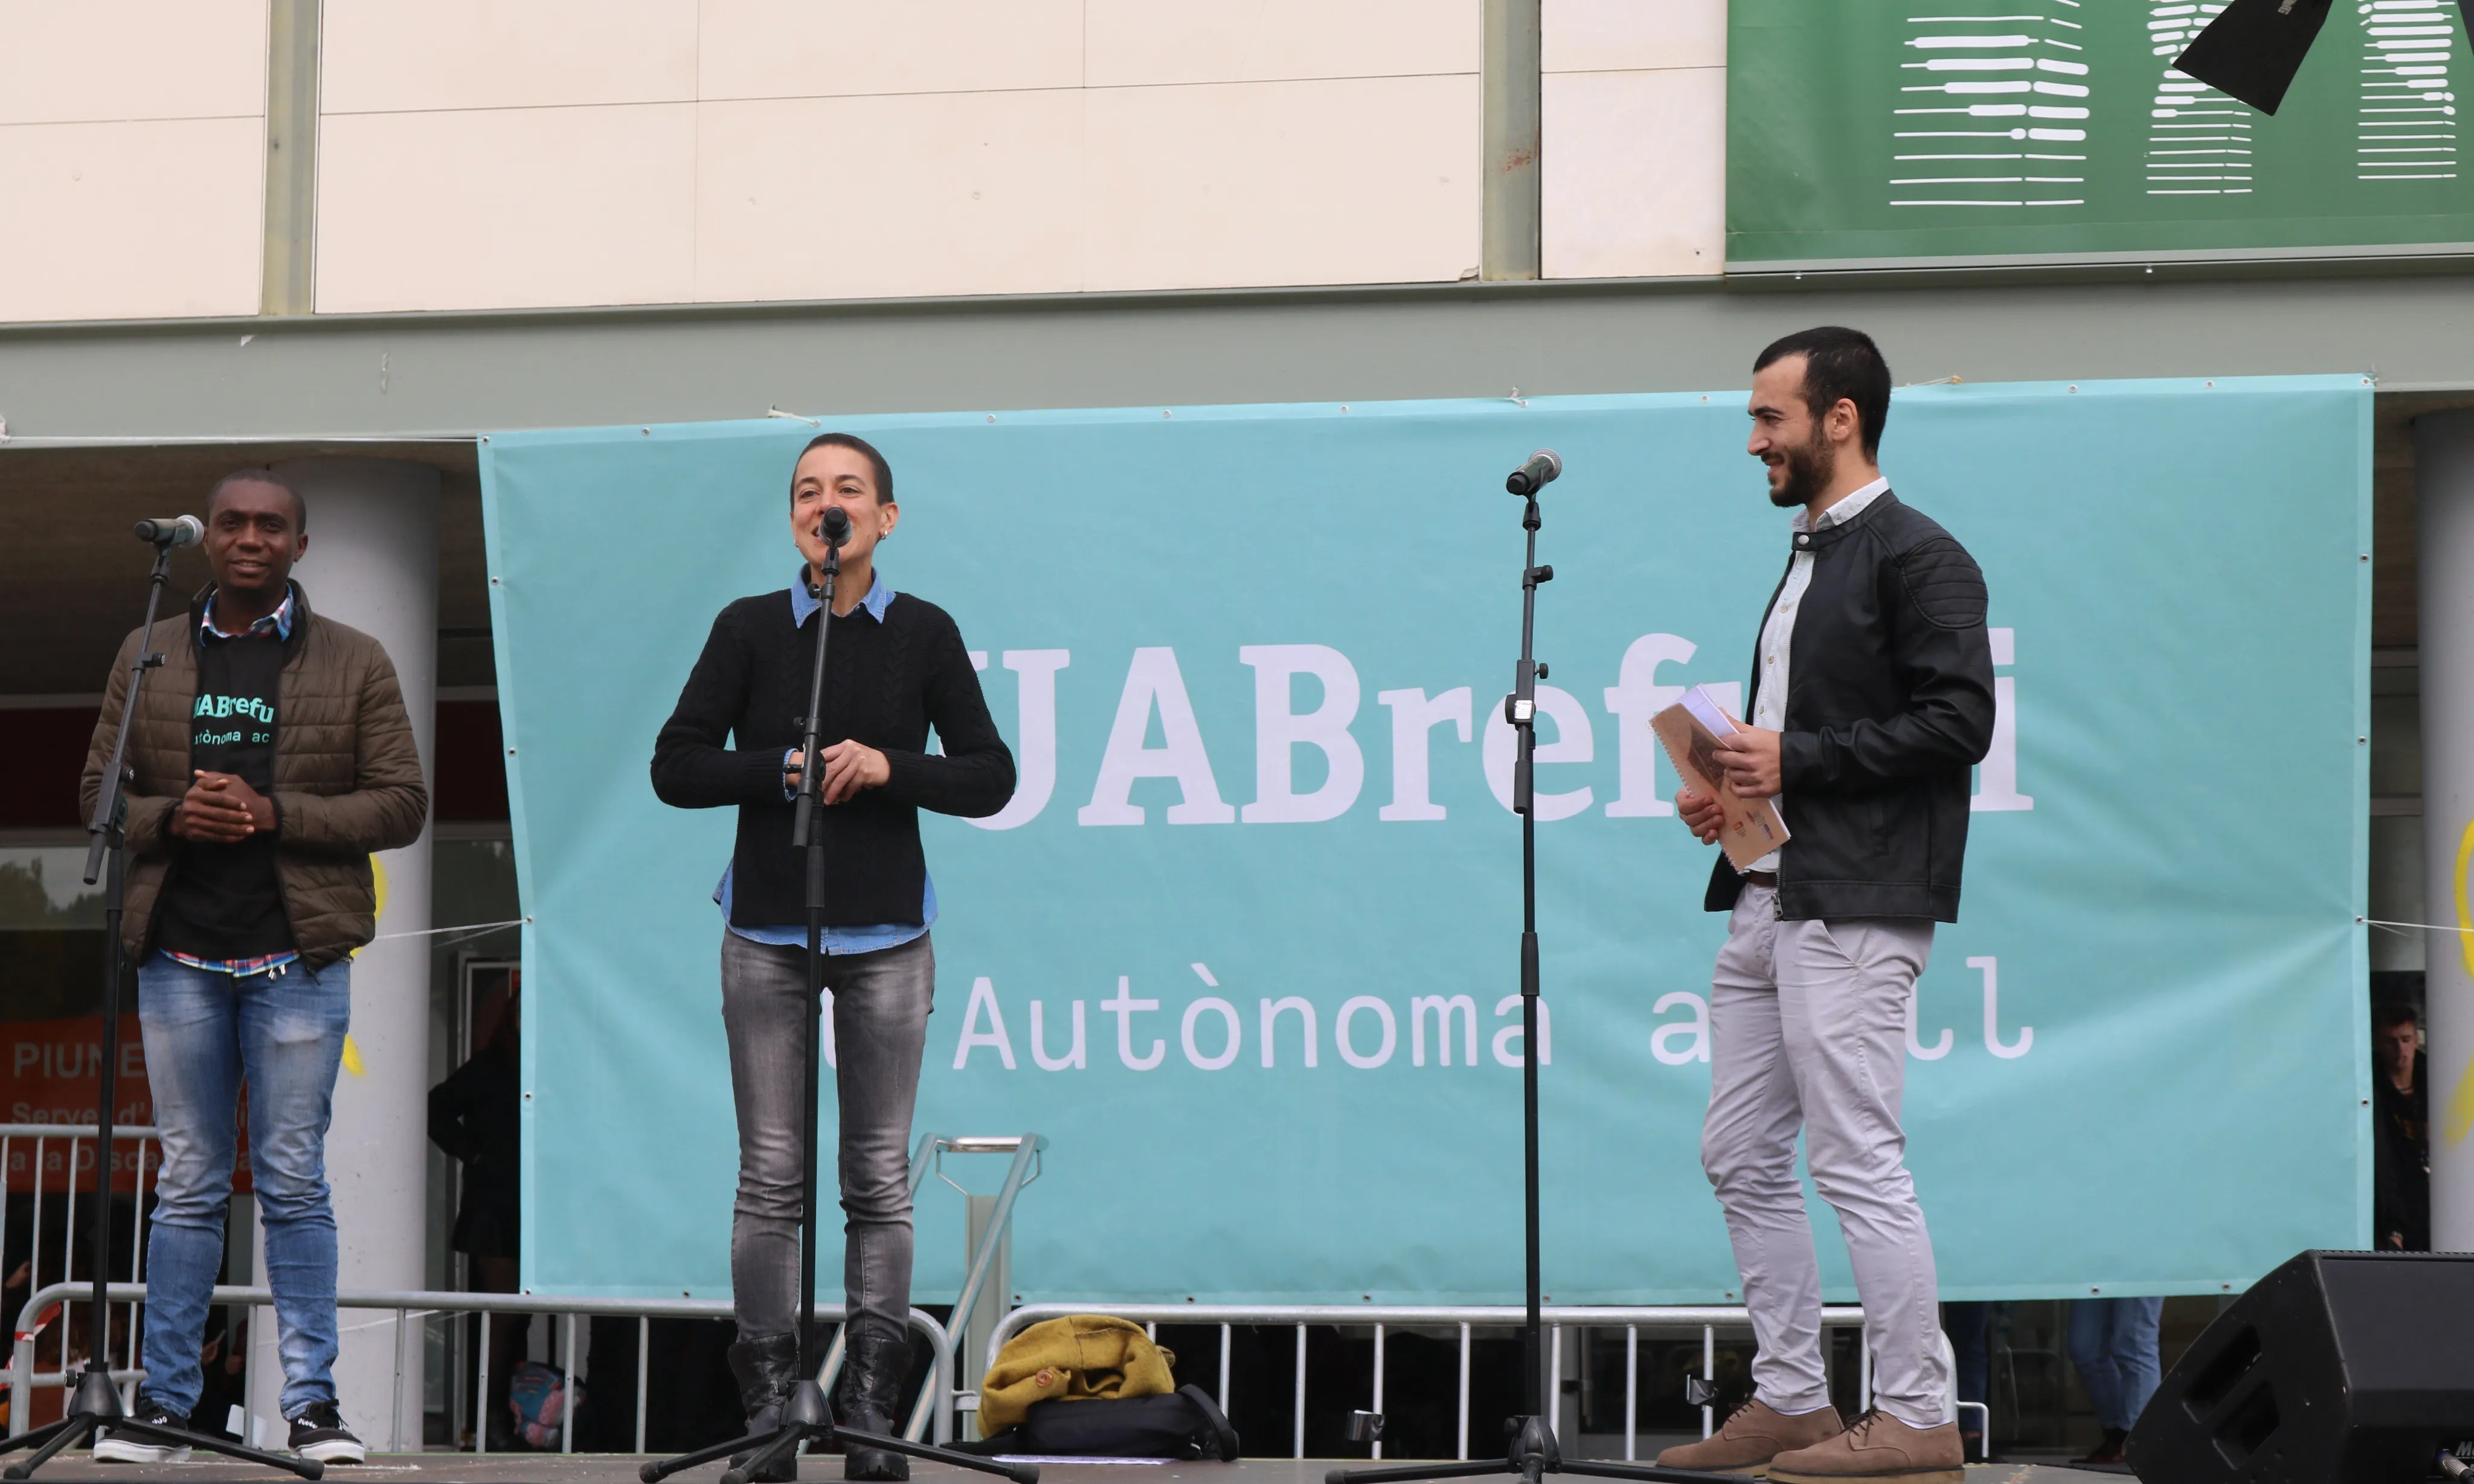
1632 1391
1301 1393
482 1393
1463 1453
1709 1375
1378 1385
643 1369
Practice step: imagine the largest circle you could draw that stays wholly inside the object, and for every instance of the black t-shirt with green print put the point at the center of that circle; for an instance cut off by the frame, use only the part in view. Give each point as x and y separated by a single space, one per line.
222 901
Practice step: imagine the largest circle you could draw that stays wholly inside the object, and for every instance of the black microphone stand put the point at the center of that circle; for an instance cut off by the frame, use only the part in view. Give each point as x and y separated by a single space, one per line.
1533 1451
95 1405
808 1413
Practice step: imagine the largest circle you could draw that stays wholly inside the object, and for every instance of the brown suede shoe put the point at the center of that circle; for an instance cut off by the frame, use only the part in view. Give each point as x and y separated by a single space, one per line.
1752 1437
1881 1448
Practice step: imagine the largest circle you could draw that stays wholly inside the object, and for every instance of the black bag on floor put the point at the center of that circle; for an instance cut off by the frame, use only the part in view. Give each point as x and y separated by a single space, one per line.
1183 1425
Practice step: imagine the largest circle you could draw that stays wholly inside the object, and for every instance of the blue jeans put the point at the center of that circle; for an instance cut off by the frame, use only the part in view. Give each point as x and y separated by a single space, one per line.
2113 1343
206 1032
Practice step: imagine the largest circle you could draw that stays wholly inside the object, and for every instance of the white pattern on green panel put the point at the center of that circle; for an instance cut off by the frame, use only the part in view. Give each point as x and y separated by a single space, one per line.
1995 110
2198 139
2408 128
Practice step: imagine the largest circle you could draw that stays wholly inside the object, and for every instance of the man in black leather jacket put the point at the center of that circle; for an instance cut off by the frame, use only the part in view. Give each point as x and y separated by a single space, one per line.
1871 698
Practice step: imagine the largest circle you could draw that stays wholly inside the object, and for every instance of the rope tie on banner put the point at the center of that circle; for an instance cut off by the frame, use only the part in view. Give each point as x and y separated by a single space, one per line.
2404 927
463 927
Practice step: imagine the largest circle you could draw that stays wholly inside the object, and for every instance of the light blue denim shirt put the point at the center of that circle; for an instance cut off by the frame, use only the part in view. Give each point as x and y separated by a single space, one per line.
839 942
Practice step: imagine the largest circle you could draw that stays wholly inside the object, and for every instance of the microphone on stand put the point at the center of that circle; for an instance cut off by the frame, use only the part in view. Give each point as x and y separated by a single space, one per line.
835 530
173 531
1536 474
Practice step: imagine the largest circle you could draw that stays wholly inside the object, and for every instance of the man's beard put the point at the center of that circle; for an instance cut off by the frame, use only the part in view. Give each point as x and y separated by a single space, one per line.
1809 471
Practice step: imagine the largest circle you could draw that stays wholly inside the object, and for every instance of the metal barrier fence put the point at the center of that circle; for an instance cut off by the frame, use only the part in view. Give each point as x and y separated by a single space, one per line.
1468 1318
68 1150
24 1381
940 1398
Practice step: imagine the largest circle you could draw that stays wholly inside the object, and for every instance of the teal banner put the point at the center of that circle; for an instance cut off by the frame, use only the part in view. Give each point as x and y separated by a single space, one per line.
1245 944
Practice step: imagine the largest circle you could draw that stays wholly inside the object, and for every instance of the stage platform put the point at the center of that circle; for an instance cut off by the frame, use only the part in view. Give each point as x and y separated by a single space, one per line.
619 1469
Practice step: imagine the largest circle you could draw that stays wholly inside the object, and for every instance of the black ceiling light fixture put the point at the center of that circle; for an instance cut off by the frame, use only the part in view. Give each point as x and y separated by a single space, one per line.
2251 51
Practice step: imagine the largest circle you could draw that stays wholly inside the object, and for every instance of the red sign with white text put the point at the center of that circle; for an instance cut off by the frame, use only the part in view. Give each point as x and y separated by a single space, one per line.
51 1072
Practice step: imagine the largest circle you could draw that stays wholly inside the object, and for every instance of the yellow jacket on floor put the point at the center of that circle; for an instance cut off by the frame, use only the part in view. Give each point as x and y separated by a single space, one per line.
1079 1357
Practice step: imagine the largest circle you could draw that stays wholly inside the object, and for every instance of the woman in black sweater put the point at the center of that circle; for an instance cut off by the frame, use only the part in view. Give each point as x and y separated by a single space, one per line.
896 668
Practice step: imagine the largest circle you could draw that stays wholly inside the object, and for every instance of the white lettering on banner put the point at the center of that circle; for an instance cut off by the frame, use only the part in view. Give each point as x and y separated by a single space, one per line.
984 998
1573 743
1122 1007
1998 775
1633 699
1039 1040
1279 732
1348 1011
1414 720
983 1026
1993 1041
1423 1005
1694 1033
1232 1043
1916 1047
1152 682
68 1061
1035 710
1507 1041
1272 1012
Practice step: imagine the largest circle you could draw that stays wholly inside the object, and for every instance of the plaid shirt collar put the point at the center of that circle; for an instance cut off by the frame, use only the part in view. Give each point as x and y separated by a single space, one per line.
277 623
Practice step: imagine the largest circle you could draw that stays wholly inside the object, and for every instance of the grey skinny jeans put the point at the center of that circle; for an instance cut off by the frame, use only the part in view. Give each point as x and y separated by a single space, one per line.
881 1002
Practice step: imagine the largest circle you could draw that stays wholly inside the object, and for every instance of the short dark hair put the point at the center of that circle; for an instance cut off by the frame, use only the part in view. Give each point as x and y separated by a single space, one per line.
2388 1015
1838 363
300 506
857 445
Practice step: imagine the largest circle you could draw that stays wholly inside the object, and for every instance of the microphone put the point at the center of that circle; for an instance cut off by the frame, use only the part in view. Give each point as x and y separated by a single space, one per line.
173 531
1536 474
835 530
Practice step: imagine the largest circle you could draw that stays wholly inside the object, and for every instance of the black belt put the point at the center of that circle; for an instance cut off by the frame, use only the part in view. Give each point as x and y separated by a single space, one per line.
1762 879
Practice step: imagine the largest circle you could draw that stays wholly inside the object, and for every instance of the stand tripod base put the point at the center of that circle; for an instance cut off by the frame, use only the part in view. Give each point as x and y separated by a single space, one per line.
807 1417
96 1408
1533 1455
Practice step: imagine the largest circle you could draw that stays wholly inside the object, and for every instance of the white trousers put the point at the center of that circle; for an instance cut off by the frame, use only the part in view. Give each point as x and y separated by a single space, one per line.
1808 1023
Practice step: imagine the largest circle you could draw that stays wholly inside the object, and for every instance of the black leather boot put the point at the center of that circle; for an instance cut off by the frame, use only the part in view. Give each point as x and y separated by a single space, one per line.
765 1369
874 1368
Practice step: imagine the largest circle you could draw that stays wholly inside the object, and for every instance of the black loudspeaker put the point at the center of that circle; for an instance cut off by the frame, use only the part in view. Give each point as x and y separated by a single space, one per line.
2338 1368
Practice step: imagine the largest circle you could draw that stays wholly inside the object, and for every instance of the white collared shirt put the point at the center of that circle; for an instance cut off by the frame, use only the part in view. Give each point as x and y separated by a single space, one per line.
1777 635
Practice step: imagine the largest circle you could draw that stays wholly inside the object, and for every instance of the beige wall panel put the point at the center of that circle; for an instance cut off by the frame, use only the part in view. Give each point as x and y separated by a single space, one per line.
1634 174
837 48
388 56
1625 36
508 209
1356 182
63 62
132 221
837 198
1143 42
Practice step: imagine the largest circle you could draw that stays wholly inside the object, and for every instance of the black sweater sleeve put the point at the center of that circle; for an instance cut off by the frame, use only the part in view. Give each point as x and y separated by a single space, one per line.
975 777
691 769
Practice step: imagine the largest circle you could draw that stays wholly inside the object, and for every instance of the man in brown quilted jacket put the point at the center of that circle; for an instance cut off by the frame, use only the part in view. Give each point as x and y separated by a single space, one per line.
269 757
